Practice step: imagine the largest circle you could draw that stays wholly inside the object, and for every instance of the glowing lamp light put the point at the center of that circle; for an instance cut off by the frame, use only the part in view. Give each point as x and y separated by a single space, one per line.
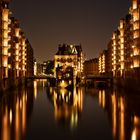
17 32
63 84
17 45
5 25
5 15
5 42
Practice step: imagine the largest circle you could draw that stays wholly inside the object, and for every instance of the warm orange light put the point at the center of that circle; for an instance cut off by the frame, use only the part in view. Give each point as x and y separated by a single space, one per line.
135 4
136 34
122 128
5 51
135 16
114 111
136 51
17 46
17 32
5 42
136 26
122 40
11 116
122 65
136 63
5 61
17 52
133 137
5 14
5 25
5 34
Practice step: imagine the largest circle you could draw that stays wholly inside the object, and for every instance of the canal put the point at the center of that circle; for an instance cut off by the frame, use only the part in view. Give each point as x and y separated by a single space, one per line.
38 112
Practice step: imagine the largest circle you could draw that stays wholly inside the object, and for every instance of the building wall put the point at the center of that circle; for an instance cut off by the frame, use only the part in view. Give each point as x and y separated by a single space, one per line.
29 60
5 13
66 60
16 54
91 67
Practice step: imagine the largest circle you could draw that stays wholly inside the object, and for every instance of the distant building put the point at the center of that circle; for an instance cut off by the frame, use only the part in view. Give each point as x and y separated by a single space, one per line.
38 68
50 67
44 67
103 65
35 68
69 56
91 67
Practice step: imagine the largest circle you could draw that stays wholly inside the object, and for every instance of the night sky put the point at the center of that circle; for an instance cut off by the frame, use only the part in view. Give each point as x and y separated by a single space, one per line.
48 23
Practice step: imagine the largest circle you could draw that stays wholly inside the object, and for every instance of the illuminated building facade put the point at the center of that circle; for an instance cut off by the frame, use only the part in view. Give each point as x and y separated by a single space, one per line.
44 67
122 39
135 11
123 56
16 53
69 56
103 59
4 39
91 67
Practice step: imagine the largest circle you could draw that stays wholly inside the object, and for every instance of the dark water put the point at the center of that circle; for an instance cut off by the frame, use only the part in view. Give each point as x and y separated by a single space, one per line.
38 113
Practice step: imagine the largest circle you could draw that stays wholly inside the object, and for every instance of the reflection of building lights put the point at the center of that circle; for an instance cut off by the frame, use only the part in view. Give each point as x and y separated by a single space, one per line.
136 132
133 135
24 112
35 89
136 120
102 98
114 111
74 120
122 109
10 116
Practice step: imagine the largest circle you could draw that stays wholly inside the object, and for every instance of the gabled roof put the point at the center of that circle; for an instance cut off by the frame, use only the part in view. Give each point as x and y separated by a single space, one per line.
68 49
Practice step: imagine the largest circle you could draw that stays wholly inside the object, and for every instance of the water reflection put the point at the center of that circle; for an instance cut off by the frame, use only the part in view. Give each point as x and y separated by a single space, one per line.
86 111
123 113
68 105
15 110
